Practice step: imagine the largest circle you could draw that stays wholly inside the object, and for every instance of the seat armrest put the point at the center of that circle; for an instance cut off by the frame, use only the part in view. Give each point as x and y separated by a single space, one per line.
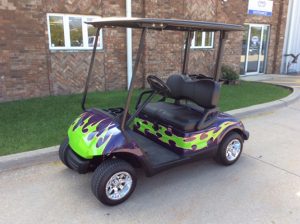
207 112
141 96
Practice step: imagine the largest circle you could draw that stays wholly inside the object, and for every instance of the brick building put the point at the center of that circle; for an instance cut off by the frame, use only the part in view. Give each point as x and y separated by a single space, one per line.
42 52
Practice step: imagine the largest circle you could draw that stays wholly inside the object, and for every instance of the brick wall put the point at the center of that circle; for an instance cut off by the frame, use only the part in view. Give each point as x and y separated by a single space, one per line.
201 61
29 69
68 69
236 12
163 49
277 29
23 55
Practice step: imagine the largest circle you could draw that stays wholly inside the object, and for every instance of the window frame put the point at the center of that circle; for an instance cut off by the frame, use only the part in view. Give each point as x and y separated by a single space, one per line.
203 46
66 28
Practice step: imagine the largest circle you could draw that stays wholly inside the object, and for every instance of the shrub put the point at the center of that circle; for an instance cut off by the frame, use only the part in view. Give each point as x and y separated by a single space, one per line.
229 74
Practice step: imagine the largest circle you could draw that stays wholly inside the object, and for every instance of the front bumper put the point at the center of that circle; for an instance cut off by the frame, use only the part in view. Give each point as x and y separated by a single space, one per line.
76 162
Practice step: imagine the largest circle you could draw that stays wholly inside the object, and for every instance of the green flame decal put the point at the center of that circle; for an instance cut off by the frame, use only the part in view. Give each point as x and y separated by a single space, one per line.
86 138
195 142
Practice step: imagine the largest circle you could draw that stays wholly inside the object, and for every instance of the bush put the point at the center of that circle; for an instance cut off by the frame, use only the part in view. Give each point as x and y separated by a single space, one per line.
229 74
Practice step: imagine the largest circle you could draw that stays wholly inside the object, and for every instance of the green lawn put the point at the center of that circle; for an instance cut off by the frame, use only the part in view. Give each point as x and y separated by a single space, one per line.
42 122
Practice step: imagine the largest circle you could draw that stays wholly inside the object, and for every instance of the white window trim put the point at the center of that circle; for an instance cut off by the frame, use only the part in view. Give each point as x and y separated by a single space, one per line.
193 46
67 32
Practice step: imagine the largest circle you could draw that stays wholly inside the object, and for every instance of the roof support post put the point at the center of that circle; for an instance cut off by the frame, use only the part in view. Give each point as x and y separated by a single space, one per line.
129 44
222 39
136 65
187 52
90 70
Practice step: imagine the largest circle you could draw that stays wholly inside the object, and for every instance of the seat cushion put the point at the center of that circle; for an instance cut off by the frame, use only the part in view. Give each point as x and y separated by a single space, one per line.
179 116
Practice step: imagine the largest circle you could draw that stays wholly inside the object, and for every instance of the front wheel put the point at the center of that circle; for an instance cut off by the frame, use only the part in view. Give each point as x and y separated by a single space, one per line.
230 149
113 181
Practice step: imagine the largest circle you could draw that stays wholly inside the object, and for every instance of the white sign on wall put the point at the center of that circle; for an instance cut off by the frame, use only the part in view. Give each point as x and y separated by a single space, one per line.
260 7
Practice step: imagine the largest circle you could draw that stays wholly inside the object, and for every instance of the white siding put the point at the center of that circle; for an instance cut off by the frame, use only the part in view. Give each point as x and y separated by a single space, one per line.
292 35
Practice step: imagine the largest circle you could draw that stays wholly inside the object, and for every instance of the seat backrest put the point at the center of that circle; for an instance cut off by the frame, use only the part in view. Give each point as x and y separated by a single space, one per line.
203 92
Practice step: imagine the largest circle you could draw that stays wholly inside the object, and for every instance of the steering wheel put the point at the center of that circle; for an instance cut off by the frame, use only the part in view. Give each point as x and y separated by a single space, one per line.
158 85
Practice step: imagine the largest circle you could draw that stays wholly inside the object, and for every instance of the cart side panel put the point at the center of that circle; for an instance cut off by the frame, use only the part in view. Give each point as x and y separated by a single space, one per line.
187 142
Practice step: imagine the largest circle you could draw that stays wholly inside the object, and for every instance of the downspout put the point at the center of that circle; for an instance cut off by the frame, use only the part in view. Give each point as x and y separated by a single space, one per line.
129 44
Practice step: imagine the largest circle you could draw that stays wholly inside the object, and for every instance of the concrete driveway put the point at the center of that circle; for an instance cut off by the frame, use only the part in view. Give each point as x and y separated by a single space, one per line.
288 80
262 187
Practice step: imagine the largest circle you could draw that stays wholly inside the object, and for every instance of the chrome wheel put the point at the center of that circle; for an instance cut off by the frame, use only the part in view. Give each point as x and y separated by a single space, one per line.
233 149
118 186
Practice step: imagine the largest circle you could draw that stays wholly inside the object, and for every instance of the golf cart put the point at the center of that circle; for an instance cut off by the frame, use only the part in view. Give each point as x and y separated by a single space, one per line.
175 122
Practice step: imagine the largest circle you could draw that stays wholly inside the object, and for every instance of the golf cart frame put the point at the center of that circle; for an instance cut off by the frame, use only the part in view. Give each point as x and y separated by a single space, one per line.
145 24
153 146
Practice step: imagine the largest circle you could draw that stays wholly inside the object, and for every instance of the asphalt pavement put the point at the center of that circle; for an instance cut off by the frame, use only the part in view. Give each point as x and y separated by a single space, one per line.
262 187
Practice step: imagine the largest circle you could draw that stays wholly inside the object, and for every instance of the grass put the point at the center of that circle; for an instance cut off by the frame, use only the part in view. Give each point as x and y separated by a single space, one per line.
43 122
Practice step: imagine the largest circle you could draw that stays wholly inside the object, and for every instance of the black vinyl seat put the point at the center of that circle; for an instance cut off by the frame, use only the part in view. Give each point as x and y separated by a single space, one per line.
204 93
179 116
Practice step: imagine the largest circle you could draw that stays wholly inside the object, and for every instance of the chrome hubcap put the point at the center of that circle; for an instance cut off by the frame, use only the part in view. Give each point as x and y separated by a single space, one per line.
233 149
118 185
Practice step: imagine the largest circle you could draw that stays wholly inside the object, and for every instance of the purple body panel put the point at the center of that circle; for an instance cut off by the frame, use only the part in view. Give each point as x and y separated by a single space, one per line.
120 142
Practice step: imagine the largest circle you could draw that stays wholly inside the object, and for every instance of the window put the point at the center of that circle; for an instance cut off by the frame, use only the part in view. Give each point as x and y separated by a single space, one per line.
203 40
68 32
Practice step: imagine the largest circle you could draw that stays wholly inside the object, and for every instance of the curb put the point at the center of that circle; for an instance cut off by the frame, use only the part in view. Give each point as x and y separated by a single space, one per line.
25 159
50 154
266 107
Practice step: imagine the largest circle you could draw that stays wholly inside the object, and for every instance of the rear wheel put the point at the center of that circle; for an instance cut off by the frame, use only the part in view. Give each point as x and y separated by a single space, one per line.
113 181
230 149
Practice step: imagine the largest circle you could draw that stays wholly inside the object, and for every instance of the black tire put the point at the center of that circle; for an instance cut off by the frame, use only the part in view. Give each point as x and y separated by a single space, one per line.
62 152
102 175
221 154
